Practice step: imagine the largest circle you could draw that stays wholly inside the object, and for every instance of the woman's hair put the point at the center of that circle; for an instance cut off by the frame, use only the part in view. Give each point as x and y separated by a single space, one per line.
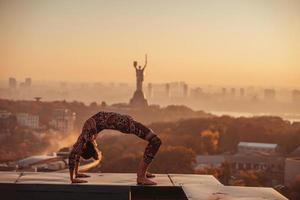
90 151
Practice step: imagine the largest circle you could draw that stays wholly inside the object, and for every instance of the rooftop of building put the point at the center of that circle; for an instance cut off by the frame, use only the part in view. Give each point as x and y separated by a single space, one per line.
38 185
295 159
210 158
295 153
36 159
257 145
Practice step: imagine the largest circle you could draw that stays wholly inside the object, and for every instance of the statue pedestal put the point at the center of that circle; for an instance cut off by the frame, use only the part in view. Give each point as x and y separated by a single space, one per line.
138 99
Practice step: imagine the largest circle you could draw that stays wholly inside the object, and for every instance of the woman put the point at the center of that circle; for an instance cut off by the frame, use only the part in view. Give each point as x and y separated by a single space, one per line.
115 121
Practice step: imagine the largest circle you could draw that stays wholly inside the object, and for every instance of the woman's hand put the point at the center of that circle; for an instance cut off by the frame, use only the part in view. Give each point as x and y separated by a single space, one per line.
82 176
76 180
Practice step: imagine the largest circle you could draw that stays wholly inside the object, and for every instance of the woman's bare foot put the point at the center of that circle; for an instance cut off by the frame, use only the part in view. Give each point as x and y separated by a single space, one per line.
76 180
144 181
82 176
143 175
149 175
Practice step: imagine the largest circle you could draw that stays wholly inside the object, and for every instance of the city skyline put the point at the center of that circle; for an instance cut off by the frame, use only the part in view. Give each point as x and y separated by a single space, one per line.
93 92
4 83
199 42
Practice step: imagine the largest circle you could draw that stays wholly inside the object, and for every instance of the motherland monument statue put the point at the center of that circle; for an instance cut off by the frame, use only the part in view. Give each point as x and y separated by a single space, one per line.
138 99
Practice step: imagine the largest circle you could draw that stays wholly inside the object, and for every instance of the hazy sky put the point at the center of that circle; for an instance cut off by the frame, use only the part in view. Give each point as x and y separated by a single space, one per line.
244 42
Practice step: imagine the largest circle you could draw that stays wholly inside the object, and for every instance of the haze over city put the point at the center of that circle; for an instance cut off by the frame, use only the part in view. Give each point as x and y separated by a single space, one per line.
199 42
201 97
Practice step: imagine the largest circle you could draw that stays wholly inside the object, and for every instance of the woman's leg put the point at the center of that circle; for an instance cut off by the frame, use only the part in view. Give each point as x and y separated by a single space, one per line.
152 148
126 124
149 154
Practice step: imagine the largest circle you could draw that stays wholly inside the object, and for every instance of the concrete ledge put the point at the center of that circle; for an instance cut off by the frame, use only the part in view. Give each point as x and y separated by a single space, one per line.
221 192
56 186
64 192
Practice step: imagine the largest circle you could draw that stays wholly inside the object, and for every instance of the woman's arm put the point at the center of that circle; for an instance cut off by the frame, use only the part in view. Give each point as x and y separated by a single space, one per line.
74 159
73 168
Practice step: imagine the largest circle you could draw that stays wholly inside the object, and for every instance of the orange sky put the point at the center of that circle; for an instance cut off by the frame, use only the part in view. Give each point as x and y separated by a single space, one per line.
240 42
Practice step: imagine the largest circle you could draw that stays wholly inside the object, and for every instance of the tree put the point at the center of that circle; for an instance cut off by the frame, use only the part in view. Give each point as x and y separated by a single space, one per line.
210 141
93 105
174 159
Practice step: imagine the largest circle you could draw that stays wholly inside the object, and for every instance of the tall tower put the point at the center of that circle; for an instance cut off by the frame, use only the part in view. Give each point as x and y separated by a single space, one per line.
12 83
185 89
167 87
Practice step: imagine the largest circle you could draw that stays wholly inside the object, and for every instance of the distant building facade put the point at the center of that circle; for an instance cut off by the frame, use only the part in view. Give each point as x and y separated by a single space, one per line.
7 121
261 157
257 162
208 161
254 147
28 120
250 156
63 120
291 170
4 114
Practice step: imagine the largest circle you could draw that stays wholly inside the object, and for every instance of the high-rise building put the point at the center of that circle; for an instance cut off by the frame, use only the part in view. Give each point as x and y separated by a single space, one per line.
269 94
185 90
12 83
233 92
223 91
242 92
296 96
28 82
167 87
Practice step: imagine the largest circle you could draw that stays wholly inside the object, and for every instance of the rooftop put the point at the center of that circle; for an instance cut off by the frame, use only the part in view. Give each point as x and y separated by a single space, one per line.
36 160
210 158
38 185
295 153
256 144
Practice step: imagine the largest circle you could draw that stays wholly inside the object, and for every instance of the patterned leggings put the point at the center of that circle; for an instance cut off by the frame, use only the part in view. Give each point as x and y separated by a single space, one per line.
122 123
147 134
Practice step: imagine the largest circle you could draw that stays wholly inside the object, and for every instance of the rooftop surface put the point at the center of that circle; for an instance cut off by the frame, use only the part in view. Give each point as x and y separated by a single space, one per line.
39 185
256 144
